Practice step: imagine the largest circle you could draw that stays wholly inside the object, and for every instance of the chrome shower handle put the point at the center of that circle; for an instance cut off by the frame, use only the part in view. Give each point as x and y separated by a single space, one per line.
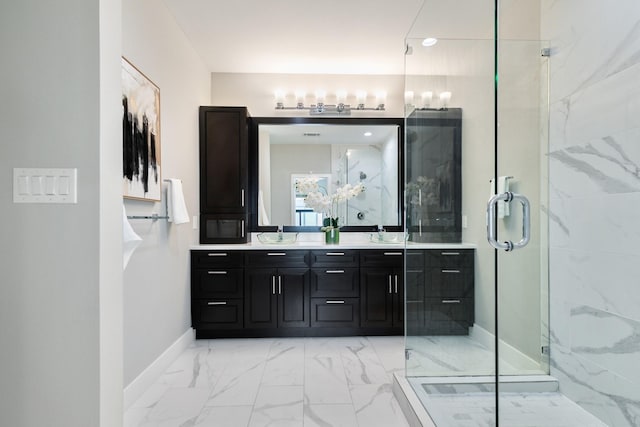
492 231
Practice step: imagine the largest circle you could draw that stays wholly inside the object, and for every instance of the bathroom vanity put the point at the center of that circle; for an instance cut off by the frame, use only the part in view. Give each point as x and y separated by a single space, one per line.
312 289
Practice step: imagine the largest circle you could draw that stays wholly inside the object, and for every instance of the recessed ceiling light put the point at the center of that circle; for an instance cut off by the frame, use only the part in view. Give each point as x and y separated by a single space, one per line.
368 134
429 41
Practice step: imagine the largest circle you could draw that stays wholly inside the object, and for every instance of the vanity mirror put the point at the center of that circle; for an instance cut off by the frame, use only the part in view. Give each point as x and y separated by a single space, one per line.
335 152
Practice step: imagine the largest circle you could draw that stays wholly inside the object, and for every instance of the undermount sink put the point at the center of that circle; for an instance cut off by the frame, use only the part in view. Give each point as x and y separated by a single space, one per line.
277 238
386 237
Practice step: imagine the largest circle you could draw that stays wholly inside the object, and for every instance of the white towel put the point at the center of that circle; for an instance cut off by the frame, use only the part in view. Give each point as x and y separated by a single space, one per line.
130 240
503 187
176 208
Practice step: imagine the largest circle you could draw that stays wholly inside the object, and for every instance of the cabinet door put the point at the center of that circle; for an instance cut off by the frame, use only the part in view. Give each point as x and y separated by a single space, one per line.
376 297
260 299
293 297
223 159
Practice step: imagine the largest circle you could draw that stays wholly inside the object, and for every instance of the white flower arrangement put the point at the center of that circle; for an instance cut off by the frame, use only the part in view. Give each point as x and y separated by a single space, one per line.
327 204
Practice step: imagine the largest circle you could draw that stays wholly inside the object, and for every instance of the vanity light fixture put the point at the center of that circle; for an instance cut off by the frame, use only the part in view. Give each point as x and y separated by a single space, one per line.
341 108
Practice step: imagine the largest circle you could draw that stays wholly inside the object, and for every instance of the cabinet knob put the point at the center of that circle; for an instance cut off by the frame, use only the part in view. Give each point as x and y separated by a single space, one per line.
335 302
217 272
451 271
335 271
392 253
216 254
451 301
217 303
335 253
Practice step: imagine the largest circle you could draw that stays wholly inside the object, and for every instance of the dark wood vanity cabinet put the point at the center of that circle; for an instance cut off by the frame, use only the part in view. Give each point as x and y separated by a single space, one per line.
224 174
244 293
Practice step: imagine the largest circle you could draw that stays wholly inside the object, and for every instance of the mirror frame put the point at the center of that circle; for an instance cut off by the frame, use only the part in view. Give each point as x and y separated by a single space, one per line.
255 122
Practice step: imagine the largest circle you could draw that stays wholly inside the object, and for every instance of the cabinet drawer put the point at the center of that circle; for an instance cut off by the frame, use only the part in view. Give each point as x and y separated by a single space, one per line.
448 315
414 259
335 282
277 258
335 312
217 314
450 258
334 258
217 283
382 258
450 282
225 259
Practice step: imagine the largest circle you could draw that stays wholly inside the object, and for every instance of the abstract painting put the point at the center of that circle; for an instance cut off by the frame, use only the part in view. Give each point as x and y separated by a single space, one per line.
140 135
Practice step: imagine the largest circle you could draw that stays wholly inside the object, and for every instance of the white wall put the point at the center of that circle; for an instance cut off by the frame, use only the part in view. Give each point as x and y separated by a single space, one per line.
156 281
594 204
60 321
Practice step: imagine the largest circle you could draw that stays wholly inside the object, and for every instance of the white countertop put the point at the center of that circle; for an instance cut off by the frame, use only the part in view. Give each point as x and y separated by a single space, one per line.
348 240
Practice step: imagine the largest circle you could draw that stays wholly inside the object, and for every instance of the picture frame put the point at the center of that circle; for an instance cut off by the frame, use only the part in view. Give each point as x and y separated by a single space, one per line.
141 175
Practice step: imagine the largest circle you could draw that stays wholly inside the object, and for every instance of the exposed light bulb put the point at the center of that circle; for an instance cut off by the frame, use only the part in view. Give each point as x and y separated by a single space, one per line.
408 97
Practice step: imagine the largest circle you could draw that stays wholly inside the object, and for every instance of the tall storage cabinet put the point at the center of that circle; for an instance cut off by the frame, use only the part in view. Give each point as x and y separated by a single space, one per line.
224 174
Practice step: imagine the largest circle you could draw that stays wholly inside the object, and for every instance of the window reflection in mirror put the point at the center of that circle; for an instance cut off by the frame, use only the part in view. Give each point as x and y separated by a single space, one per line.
303 215
338 153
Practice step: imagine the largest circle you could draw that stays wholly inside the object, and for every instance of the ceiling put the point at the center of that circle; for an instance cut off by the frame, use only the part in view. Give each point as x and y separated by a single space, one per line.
298 36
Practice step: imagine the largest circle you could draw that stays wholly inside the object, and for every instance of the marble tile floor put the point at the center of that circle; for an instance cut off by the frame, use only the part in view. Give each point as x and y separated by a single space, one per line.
298 382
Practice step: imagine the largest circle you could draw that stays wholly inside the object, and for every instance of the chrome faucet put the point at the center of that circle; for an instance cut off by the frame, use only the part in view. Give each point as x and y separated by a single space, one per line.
280 231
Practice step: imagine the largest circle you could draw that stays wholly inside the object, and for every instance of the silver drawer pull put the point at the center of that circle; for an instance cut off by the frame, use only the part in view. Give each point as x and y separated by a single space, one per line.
450 253
451 301
335 271
392 253
335 302
217 254
451 271
217 303
217 272
335 253
276 254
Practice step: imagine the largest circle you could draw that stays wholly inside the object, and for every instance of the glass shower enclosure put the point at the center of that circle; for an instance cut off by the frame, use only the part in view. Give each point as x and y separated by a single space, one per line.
476 333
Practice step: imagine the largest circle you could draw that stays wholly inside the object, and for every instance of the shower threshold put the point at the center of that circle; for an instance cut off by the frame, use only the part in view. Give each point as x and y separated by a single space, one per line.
470 401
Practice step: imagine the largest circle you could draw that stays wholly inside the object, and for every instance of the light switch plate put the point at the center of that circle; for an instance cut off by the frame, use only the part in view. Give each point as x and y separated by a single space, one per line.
45 185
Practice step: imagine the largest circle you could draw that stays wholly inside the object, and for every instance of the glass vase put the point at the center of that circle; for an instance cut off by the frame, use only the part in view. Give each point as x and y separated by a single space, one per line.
332 236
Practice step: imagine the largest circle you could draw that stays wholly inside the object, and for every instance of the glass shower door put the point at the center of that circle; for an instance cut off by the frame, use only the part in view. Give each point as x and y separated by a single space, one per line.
479 368
519 227
450 287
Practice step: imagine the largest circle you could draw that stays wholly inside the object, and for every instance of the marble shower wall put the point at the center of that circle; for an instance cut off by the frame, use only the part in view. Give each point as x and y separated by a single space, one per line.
594 203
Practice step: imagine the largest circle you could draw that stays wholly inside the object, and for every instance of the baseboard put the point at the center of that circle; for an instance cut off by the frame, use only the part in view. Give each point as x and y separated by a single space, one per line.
142 382
508 353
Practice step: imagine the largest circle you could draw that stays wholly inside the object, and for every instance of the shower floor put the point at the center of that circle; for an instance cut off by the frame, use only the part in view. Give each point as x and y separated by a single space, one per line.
521 409
453 376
